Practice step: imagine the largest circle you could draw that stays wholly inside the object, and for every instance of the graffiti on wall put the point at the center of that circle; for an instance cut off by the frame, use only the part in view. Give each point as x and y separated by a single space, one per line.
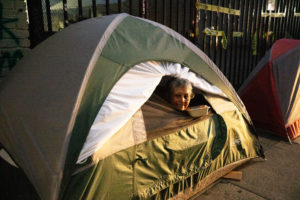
8 59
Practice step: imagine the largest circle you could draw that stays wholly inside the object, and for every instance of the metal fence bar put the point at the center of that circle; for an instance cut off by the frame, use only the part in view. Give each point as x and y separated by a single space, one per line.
141 8
293 21
119 6
282 24
79 9
66 20
289 18
213 38
279 21
293 18
262 41
164 17
48 12
253 39
107 7
94 8
297 22
184 18
177 16
130 6
225 27
146 9
271 26
255 35
245 39
281 9
170 14
193 20
207 25
201 28
229 51
219 26
235 46
276 23
249 36
240 42
293 4
266 29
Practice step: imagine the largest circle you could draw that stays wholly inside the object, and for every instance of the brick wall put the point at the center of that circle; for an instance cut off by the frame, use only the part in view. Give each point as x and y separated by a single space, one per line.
14 34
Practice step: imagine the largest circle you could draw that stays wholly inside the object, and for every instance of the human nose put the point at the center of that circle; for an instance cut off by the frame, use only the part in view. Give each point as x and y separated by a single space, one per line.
183 99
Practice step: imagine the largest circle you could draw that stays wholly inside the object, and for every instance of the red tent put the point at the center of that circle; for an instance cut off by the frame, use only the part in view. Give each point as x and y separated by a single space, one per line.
271 93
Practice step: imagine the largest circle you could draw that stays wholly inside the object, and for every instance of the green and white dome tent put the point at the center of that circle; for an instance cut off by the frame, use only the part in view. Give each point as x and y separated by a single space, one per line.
74 116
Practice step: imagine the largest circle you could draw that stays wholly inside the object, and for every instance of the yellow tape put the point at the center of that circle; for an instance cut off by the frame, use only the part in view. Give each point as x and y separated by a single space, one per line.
237 34
297 14
211 32
214 8
224 40
224 10
268 35
198 5
272 14
254 44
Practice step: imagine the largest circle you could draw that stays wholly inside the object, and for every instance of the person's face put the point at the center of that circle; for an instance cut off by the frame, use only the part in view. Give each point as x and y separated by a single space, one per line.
180 97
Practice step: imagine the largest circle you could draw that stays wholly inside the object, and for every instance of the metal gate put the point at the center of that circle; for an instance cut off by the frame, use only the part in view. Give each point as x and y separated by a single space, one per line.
235 34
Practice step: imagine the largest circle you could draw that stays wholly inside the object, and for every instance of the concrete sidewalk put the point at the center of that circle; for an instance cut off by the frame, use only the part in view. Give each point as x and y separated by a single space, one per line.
276 178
